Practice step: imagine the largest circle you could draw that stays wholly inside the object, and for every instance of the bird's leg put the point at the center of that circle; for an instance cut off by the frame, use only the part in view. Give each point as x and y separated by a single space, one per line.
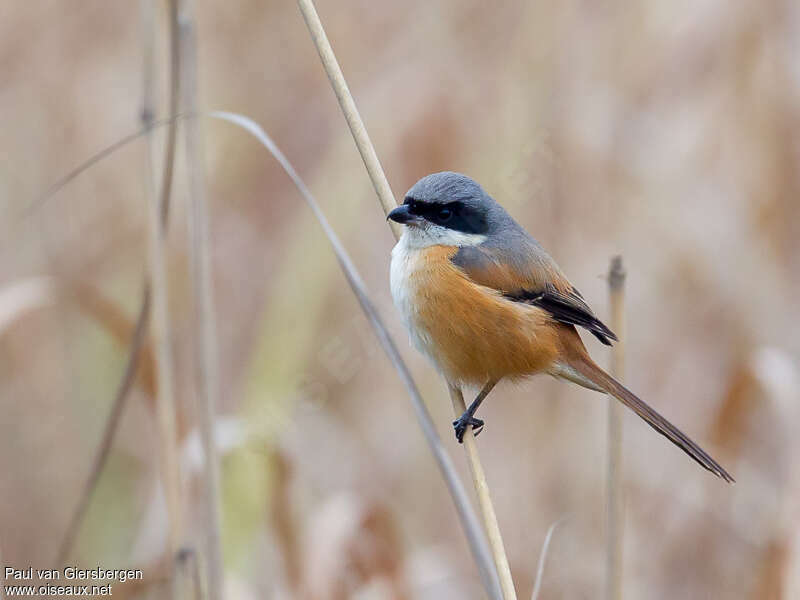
468 419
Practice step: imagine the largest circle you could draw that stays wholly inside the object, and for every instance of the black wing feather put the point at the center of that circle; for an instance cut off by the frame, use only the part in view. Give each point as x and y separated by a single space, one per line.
566 308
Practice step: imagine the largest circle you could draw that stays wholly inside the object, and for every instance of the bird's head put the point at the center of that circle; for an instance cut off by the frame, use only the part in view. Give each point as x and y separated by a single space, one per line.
447 209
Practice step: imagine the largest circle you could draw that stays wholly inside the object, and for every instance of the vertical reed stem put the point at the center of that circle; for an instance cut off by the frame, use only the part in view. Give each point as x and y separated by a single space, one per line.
615 514
484 501
204 332
157 210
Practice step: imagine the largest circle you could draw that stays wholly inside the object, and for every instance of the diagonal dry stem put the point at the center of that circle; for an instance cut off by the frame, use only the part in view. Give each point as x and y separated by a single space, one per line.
40 201
467 516
384 192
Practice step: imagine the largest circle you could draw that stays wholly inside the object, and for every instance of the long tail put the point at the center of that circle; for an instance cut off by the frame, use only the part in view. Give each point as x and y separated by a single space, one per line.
602 381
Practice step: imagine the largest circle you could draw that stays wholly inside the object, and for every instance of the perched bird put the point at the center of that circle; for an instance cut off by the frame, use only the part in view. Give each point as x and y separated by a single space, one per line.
484 302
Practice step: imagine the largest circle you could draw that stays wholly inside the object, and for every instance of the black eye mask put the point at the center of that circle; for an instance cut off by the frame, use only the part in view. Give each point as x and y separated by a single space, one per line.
453 215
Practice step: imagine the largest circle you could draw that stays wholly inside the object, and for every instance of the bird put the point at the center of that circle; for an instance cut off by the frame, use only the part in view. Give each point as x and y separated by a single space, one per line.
484 302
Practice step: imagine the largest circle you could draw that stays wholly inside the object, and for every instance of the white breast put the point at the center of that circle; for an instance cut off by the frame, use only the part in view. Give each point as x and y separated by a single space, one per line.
407 257
405 261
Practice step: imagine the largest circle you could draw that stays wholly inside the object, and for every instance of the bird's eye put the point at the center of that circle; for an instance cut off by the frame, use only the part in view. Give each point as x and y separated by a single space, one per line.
445 214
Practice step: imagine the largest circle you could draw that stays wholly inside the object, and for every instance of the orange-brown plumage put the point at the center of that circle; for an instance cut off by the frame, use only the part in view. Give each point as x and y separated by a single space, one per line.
478 335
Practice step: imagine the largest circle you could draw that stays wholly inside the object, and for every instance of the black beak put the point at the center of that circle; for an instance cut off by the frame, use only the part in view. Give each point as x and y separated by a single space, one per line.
402 215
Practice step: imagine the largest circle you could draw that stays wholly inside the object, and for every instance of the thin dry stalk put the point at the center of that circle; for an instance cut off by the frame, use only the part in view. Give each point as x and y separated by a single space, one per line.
615 516
484 500
537 586
204 330
386 197
173 103
56 187
466 515
158 210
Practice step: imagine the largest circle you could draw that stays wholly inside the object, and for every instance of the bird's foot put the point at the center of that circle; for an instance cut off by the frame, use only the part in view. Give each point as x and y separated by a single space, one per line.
464 421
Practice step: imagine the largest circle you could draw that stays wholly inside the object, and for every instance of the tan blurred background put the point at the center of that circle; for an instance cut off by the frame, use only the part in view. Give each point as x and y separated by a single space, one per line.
668 133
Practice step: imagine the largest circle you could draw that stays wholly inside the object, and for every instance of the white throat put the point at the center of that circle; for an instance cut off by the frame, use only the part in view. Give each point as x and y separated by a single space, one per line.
429 234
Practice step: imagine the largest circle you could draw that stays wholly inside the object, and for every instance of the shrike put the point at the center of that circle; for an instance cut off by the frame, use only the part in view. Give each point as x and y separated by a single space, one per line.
484 302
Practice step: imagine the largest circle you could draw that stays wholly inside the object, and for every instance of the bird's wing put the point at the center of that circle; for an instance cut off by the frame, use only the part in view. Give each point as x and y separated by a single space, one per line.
530 276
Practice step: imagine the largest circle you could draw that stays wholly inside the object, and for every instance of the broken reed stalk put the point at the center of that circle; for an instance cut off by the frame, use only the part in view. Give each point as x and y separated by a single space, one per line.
387 200
158 208
537 585
615 513
204 331
466 515
485 501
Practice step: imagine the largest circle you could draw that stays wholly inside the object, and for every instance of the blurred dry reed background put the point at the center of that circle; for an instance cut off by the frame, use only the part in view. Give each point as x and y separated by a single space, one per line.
665 132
